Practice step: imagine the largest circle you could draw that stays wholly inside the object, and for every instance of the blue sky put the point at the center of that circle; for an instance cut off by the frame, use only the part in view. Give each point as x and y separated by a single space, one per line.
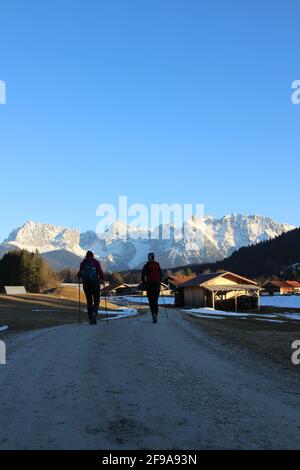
161 100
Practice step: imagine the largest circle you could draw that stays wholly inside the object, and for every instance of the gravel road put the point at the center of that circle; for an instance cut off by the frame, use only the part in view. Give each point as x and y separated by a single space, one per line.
135 385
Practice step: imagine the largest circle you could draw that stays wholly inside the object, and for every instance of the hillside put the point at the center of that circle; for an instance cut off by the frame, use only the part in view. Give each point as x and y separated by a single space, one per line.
60 259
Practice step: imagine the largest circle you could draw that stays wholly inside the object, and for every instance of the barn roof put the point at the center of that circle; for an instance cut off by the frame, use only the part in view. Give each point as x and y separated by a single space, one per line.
294 283
199 279
202 279
278 284
177 280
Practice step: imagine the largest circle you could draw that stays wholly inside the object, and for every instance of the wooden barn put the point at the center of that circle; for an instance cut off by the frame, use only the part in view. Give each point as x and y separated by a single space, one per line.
129 289
173 283
295 285
121 289
278 287
222 290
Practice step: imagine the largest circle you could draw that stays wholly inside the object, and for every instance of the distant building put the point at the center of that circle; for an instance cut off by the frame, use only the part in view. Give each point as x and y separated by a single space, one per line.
128 289
174 281
222 290
120 289
278 287
295 285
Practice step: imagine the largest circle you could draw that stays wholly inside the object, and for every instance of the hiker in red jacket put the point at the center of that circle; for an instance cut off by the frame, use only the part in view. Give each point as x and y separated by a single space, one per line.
91 274
151 279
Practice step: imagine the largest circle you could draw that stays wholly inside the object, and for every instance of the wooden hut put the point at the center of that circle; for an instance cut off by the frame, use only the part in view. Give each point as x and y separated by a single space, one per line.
278 287
221 290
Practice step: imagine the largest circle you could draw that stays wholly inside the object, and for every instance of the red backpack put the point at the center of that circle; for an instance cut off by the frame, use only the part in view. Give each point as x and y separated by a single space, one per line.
153 272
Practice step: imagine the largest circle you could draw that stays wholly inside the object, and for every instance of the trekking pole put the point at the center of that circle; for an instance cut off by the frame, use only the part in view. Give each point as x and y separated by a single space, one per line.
141 301
166 310
79 305
106 308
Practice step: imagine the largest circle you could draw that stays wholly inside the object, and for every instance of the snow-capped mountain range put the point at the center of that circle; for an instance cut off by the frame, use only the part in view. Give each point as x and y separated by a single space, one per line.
214 240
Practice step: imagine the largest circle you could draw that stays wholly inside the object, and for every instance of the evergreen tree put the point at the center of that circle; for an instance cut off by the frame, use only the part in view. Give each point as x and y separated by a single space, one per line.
26 269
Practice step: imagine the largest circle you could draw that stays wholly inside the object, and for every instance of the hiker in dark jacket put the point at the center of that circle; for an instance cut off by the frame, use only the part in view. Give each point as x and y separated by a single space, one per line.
151 280
91 274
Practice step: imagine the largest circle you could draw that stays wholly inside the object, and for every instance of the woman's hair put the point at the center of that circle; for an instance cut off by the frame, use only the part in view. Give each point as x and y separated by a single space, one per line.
90 254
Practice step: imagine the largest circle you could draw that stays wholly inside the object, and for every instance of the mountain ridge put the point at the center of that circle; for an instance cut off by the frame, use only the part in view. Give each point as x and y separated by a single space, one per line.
277 258
217 238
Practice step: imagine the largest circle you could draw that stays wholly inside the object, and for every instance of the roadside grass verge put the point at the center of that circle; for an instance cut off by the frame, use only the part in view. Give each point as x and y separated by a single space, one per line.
251 336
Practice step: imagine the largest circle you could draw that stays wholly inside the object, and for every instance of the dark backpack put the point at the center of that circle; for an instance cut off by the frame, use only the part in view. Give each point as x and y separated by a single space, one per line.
153 272
89 273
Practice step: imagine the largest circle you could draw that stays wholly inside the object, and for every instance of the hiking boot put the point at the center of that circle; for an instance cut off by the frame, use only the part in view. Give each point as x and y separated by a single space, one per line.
154 319
93 319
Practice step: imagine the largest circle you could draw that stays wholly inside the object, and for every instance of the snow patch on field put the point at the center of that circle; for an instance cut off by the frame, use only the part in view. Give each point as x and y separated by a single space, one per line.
144 300
44 311
271 321
284 301
120 313
220 314
210 317
211 311
3 328
292 316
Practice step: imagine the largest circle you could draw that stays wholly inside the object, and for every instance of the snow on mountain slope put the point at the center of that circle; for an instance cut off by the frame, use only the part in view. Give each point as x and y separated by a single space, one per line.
215 239
45 237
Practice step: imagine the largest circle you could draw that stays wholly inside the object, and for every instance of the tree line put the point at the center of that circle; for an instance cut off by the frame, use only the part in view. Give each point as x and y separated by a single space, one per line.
22 268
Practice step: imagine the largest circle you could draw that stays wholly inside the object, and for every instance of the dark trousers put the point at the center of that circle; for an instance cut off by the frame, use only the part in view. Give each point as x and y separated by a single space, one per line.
153 291
92 293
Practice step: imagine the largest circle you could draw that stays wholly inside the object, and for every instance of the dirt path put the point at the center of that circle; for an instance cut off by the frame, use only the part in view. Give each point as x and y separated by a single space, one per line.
133 384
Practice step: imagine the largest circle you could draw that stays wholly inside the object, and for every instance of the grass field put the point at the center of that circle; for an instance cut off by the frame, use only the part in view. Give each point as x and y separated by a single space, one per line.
33 311
72 293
